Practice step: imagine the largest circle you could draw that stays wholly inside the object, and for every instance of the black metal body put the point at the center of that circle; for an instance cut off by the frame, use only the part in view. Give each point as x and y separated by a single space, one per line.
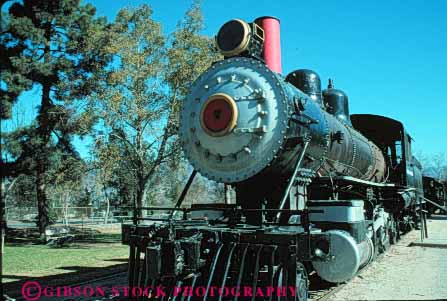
334 149
435 191
199 251
403 168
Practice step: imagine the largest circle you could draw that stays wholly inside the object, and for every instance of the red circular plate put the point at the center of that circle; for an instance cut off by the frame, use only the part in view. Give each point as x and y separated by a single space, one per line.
217 115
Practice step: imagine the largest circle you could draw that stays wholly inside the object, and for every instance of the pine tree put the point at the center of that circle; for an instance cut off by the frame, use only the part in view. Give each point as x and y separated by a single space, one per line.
56 46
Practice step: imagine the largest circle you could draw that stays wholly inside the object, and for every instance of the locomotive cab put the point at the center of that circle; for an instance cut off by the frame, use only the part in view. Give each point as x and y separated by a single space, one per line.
395 144
404 170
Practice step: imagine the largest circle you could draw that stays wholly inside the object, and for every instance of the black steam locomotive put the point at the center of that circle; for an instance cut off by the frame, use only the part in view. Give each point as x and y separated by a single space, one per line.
435 194
317 189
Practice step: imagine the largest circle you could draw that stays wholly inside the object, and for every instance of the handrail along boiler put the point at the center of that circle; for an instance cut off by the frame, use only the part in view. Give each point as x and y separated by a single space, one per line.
316 188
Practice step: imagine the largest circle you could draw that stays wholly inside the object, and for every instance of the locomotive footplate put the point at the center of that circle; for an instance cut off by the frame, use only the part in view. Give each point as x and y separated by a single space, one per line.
186 254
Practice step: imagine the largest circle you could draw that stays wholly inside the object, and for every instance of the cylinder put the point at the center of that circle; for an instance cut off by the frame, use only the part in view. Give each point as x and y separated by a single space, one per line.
272 42
366 248
347 257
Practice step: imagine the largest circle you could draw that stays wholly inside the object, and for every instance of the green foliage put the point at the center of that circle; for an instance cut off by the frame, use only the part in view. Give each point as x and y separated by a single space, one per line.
22 193
114 177
65 177
141 94
85 199
123 81
55 46
52 216
189 53
51 43
167 185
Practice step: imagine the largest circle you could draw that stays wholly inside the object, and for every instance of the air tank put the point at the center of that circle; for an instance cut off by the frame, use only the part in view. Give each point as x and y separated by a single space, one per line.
336 103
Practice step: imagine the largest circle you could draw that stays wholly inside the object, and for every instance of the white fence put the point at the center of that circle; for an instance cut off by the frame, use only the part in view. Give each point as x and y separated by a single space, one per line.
69 215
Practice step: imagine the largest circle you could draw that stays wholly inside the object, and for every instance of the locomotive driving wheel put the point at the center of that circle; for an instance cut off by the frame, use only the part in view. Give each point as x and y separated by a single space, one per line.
299 280
301 283
385 236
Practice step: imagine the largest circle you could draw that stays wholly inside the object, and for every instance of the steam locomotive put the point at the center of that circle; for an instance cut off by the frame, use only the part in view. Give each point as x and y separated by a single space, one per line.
317 189
435 192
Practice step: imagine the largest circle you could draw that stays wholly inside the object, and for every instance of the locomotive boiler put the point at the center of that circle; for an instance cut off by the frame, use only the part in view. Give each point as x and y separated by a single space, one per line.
242 120
317 189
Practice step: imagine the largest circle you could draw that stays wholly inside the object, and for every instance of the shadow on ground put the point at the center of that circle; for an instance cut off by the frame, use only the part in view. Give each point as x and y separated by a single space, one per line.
438 217
16 236
117 260
76 275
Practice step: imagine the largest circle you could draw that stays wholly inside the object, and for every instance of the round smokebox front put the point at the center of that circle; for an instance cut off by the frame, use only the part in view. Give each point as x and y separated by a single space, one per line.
234 120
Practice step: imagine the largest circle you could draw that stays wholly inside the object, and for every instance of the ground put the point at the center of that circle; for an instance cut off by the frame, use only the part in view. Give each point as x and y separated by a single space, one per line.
410 270
93 255
406 272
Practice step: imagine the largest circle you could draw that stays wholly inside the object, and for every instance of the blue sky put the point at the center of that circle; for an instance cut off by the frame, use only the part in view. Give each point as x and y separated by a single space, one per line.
389 56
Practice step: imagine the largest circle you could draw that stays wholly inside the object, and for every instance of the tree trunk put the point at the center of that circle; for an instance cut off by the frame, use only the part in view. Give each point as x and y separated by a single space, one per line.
2 226
106 217
144 196
66 207
4 213
3 240
42 203
141 195
43 132
139 202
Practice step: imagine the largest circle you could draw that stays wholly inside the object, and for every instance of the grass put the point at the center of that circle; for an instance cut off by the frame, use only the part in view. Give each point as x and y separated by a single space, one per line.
41 260
90 256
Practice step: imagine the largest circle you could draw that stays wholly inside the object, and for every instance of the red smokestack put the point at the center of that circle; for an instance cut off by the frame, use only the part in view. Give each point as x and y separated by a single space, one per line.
272 42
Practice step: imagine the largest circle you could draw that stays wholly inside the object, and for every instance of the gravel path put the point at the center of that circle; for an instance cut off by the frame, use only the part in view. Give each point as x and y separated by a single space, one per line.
405 272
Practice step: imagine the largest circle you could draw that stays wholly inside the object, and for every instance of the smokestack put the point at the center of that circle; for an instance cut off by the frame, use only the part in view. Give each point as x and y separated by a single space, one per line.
272 42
